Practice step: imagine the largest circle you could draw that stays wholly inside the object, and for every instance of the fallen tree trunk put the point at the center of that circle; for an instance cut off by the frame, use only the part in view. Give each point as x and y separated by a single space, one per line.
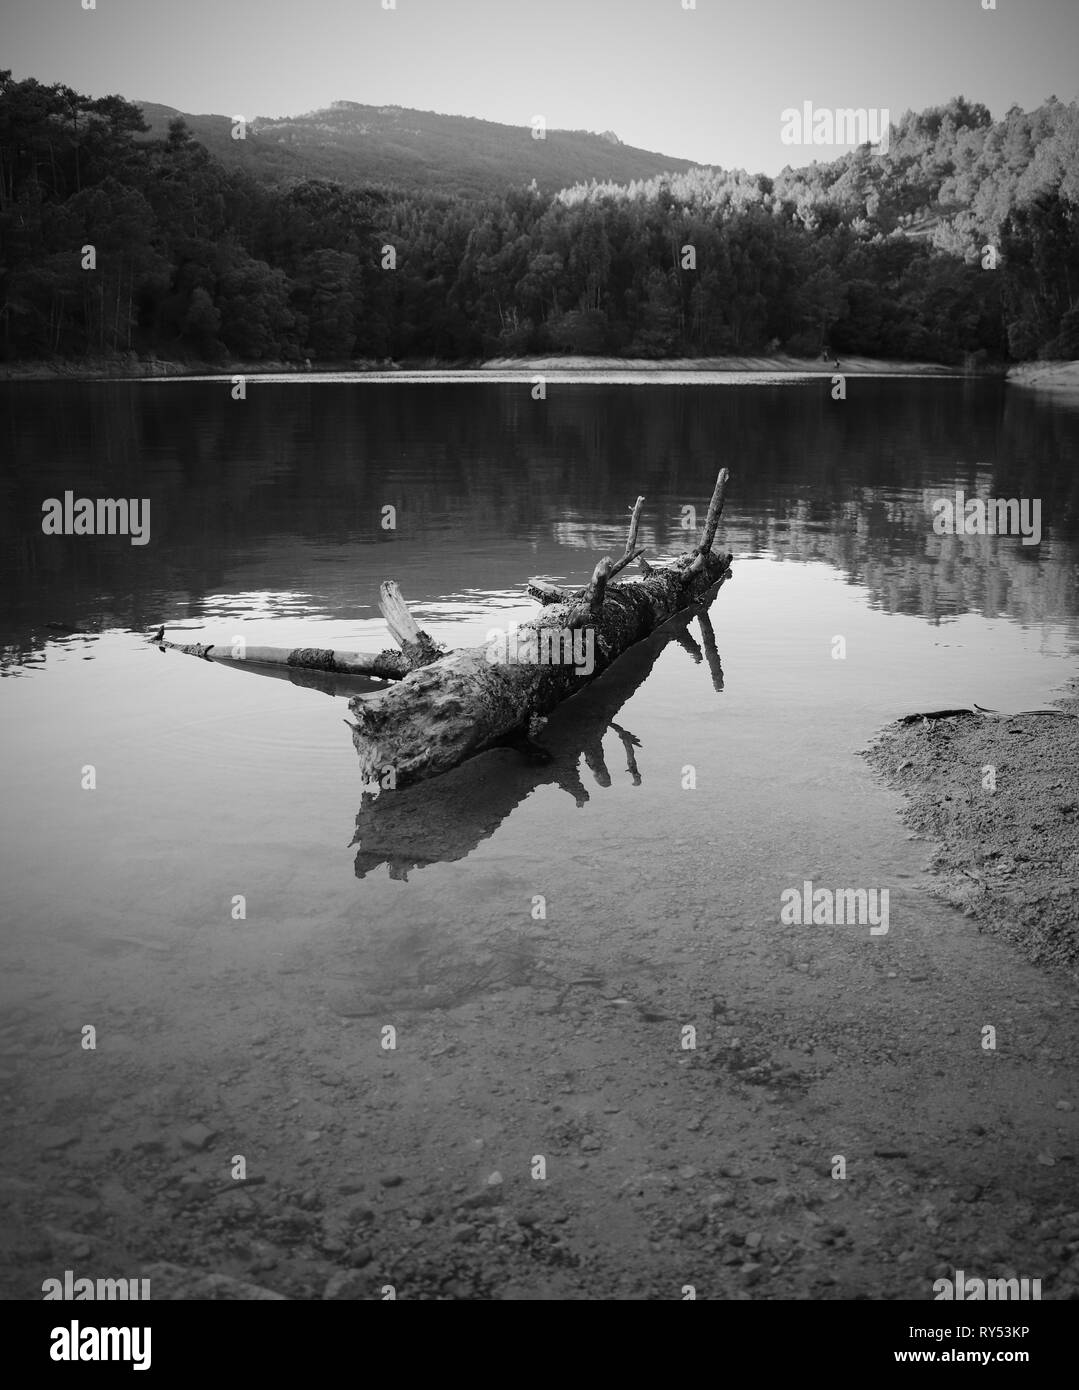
442 821
450 709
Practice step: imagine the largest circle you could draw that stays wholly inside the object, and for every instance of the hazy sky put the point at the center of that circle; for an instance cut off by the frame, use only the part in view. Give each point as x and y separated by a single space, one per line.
707 83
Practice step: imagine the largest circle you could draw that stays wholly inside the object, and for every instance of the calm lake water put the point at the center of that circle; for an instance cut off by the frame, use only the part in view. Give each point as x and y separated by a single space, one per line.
265 522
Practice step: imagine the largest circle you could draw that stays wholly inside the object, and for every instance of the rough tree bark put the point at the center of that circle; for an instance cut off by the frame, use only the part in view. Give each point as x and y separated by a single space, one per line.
450 709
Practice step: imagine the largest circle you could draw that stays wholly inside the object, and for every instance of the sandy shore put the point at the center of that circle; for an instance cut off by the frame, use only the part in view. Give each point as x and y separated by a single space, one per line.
1055 376
132 369
850 366
1008 857
1046 376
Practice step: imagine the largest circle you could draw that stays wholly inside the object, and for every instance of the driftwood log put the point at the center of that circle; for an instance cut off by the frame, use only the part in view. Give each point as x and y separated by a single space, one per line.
449 709
445 707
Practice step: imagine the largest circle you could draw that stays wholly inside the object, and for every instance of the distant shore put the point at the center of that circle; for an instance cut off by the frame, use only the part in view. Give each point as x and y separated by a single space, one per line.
1041 376
1046 376
807 366
131 368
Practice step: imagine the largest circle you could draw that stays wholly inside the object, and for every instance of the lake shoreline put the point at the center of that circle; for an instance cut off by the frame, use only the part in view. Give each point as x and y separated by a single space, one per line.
1005 856
131 368
1045 376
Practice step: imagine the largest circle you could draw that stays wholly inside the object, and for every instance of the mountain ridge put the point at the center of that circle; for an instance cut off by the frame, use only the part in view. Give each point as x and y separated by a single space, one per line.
360 145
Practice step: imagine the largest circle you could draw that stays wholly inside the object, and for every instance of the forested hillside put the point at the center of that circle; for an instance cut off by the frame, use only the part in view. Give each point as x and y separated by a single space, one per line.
194 259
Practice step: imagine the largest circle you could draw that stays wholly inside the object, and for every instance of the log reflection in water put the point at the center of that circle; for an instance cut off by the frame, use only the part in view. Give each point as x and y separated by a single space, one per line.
337 684
443 820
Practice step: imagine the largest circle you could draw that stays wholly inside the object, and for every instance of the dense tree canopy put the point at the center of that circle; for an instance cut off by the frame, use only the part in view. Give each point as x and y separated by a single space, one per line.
963 239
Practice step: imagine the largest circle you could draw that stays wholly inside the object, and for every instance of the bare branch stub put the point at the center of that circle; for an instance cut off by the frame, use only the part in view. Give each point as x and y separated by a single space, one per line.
626 559
634 523
598 585
402 625
546 593
715 511
419 648
631 551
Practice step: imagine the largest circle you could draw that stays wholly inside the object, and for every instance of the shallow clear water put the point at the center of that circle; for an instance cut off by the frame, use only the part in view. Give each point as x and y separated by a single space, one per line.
266 522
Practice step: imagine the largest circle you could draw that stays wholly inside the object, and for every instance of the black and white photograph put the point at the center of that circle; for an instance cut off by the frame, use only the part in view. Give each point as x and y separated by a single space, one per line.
539 664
